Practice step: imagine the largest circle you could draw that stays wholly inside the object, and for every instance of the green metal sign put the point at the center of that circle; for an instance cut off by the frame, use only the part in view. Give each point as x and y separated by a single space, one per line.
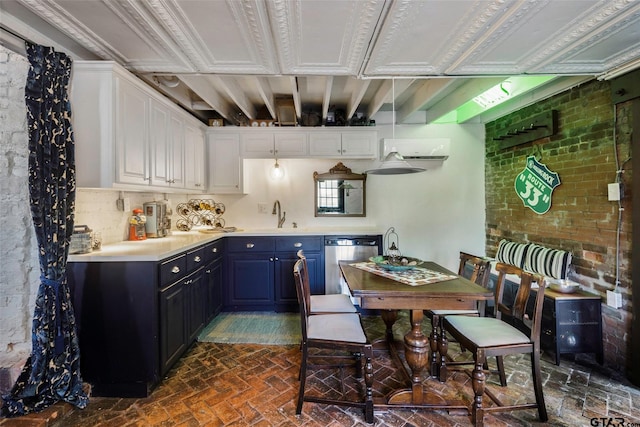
535 184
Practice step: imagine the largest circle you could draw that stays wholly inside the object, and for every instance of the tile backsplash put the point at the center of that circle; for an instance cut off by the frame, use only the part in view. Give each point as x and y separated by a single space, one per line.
98 209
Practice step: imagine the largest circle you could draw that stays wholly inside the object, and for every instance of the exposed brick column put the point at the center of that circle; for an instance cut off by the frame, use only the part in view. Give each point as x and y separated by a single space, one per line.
581 219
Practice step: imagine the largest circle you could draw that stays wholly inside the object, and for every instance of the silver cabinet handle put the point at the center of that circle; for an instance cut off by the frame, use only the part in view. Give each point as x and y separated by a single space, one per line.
270 259
297 245
175 269
250 245
208 271
277 258
214 250
197 258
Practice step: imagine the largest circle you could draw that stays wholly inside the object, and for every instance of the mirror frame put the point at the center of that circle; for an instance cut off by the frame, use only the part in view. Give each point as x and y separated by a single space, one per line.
339 172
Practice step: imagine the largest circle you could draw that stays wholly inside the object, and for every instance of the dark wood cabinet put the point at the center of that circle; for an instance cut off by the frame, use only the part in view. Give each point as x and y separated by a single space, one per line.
572 323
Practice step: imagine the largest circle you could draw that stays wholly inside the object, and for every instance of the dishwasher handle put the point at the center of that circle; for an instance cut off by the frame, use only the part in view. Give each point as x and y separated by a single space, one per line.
351 242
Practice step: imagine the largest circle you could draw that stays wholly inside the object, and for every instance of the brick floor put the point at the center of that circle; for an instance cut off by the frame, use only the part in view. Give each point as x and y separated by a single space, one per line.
241 385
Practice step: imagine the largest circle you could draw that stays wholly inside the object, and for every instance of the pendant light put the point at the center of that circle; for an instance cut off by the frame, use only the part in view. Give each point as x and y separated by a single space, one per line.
277 173
394 163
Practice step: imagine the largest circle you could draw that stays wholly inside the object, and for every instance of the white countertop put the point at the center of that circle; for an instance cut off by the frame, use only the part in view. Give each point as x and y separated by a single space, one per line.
180 241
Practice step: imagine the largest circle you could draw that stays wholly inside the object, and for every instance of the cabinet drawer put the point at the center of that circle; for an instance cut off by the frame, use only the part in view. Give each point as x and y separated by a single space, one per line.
307 243
213 250
173 269
195 259
251 244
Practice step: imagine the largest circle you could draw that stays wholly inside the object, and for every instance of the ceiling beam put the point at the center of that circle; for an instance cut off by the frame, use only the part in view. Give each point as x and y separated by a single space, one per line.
554 87
469 90
293 82
237 94
326 99
205 90
356 97
266 94
379 97
430 91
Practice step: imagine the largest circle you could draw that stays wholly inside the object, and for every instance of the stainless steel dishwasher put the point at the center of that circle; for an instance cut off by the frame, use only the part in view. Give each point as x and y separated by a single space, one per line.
346 248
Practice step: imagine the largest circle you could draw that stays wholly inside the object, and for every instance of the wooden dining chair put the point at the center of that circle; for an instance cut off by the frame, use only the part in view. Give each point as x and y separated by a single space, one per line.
324 304
338 341
479 274
514 330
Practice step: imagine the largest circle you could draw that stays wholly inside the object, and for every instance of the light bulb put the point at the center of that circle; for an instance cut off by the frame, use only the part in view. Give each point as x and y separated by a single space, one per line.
277 172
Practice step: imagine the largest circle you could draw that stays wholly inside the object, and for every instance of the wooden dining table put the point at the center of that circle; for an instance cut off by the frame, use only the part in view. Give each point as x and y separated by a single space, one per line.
383 291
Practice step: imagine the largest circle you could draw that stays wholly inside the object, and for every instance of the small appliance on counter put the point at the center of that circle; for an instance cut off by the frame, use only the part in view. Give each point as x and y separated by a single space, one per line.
80 240
137 225
158 220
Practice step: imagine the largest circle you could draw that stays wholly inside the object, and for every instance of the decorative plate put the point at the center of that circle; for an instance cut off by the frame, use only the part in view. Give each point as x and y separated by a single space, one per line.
406 263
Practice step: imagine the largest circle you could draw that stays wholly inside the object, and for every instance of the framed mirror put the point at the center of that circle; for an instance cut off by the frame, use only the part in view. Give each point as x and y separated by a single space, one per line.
340 192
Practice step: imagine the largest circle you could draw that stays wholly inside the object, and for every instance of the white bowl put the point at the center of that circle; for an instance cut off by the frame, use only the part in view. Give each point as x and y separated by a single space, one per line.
564 286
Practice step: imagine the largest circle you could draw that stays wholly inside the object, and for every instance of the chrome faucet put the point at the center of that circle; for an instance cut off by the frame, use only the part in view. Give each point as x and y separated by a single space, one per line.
281 218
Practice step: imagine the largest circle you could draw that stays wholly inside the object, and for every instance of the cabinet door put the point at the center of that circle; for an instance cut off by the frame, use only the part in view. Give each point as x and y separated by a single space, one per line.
225 165
132 134
250 281
325 144
285 297
213 284
257 146
359 145
176 158
291 145
196 298
173 330
160 145
194 158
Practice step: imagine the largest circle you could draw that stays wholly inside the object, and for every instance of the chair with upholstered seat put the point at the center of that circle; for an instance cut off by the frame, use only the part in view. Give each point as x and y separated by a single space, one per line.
337 338
480 270
514 330
324 304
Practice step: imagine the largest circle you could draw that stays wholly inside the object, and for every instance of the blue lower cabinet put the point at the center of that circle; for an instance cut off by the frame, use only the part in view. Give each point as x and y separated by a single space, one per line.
250 285
262 280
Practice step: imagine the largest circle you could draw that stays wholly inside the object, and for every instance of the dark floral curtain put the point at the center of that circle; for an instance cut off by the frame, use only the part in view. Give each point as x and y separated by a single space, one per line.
52 372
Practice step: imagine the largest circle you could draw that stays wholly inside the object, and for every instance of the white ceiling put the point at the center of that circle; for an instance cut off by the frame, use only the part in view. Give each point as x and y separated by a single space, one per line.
233 58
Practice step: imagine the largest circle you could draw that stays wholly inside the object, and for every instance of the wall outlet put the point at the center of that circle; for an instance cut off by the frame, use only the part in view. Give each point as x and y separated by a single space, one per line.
262 207
614 299
614 191
124 204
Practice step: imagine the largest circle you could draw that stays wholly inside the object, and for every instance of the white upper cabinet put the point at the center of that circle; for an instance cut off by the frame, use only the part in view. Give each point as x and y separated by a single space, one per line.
225 164
176 164
132 134
263 144
194 158
127 135
344 144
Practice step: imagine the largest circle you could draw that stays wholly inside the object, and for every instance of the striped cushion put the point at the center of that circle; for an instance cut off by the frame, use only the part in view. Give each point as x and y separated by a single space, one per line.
550 262
512 253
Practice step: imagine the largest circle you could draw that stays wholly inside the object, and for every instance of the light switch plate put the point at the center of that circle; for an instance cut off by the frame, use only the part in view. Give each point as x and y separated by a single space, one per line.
614 299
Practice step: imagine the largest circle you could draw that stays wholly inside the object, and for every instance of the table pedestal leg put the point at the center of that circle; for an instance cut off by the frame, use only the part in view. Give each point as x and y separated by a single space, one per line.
416 354
389 317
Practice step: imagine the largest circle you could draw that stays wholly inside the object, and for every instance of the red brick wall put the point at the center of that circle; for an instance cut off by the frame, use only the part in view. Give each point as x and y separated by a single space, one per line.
581 219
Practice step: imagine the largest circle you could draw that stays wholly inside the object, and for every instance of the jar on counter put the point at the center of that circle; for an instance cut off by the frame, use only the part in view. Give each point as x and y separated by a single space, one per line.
137 225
